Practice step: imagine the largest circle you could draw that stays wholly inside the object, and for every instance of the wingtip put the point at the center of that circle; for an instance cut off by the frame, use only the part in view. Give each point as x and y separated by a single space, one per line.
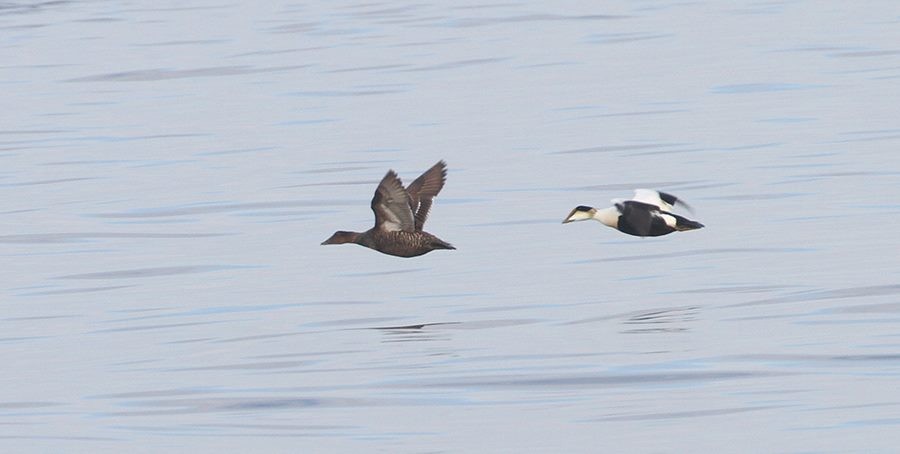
391 175
443 166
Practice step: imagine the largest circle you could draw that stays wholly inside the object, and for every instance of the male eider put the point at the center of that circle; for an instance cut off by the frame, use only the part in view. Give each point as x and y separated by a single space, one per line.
399 215
647 214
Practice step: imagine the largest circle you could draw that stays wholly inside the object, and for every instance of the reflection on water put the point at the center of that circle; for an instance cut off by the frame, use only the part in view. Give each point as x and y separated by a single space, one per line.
170 170
669 320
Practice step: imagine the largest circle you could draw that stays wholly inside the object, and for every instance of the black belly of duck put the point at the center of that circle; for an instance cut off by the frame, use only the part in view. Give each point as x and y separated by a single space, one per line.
658 227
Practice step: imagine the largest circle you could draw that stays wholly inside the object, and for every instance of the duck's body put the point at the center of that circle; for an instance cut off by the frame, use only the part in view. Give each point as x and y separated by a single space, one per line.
647 214
402 244
400 214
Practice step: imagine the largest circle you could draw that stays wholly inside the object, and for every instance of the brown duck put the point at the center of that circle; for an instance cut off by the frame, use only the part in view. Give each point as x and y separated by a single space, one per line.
399 215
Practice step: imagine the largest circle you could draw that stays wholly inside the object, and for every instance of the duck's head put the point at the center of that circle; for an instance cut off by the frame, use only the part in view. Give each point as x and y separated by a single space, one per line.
341 237
580 213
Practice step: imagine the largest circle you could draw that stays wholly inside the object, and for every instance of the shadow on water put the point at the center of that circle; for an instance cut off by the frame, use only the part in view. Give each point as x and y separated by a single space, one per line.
442 330
414 333
659 320
412 327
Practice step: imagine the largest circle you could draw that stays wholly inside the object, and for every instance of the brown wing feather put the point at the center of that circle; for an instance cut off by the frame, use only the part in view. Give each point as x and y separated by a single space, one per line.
391 205
424 189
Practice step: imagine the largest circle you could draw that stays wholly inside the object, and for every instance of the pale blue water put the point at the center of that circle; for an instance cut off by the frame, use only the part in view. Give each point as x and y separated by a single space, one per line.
168 170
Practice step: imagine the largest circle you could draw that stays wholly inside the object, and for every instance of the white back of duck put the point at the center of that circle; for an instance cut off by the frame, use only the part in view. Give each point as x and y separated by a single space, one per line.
651 197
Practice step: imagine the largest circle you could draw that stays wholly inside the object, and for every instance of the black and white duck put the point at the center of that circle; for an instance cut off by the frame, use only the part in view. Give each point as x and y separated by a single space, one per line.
649 213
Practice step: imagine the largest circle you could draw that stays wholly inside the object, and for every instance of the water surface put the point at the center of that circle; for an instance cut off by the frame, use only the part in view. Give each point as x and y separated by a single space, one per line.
169 170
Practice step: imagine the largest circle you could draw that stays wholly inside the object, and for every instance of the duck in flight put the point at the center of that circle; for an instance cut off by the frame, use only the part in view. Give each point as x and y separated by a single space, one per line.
400 214
649 213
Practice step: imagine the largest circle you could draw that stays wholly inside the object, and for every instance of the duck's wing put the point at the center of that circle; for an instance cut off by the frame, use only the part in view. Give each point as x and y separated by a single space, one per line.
424 189
661 200
391 205
638 215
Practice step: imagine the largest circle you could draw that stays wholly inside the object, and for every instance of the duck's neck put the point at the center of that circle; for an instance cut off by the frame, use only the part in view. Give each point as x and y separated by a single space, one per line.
365 238
346 237
608 216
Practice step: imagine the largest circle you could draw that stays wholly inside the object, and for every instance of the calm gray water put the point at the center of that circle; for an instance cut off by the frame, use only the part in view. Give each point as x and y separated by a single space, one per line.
168 170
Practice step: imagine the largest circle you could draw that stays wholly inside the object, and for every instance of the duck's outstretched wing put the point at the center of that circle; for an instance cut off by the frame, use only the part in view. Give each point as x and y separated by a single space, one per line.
391 205
423 190
661 200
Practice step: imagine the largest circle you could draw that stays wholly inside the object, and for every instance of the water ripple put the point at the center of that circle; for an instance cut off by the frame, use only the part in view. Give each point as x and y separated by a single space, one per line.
692 253
250 403
582 381
206 208
488 21
614 148
762 88
851 292
685 414
454 64
153 272
76 237
149 75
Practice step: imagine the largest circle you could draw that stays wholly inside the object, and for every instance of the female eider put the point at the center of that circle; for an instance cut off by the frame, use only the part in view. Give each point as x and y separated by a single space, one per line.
647 214
399 215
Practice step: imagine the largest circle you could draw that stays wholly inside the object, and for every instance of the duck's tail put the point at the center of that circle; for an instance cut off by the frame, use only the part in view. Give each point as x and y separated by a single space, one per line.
682 223
441 244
